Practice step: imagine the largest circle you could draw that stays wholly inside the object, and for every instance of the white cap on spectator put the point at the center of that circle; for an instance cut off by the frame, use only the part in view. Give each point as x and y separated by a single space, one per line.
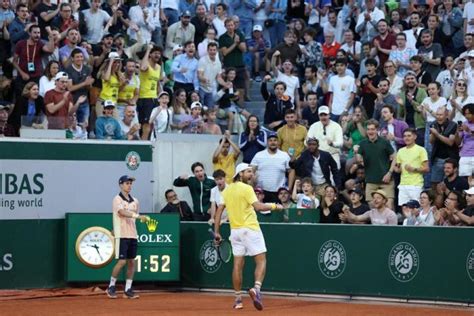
114 55
196 104
177 47
241 167
471 54
109 104
257 27
323 110
61 75
470 191
5 107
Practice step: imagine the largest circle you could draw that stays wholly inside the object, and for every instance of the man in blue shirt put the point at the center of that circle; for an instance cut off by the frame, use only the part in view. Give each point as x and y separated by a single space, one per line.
184 69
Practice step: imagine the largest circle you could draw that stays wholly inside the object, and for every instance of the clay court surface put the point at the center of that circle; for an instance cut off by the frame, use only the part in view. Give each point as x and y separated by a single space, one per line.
191 303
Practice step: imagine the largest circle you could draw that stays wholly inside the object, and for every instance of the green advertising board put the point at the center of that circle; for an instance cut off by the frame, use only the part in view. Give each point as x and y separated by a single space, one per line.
158 256
432 263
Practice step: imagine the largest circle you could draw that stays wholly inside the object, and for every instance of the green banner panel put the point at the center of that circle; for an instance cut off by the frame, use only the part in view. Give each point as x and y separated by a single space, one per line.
158 257
433 263
31 254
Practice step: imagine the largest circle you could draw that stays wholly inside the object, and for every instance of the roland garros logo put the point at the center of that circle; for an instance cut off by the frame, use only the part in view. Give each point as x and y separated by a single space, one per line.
209 258
332 259
403 262
470 264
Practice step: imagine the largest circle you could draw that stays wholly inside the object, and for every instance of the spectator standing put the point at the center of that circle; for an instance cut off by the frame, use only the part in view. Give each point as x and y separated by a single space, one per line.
415 28
232 46
431 53
144 19
442 137
27 57
169 12
209 73
343 90
272 165
316 164
402 54
466 138
292 135
185 69
80 83
378 158
330 46
252 139
46 81
260 48
71 43
328 133
384 42
96 20
459 99
129 92
58 103
219 21
161 116
112 78
367 21
276 103
309 114
202 22
277 25
19 27
174 205
412 163
451 24
368 86
210 37
46 11
200 188
180 33
285 74
150 75
391 128
216 195
223 159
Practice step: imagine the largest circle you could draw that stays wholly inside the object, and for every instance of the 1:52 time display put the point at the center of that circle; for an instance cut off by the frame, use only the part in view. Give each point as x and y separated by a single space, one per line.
153 263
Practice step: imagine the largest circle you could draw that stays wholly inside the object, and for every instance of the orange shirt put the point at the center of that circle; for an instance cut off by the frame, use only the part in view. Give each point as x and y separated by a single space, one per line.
124 227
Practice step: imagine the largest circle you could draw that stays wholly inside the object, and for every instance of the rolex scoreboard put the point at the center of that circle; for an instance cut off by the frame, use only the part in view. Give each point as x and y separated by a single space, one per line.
90 243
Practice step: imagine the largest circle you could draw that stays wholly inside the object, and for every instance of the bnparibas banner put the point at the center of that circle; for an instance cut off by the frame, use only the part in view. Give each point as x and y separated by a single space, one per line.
45 180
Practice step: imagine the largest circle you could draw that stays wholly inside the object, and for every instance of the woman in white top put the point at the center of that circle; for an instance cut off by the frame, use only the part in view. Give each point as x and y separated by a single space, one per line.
47 82
447 77
396 82
459 99
422 216
161 116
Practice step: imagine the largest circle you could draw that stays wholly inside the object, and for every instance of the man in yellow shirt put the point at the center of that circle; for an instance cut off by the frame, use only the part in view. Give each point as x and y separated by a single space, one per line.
225 160
246 237
412 163
150 75
292 135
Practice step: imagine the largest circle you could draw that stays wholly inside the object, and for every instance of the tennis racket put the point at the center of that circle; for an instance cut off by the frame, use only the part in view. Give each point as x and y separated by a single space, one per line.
224 249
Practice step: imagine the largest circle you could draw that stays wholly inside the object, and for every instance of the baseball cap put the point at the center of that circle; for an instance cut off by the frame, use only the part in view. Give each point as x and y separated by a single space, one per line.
471 54
412 204
357 190
125 178
186 13
381 192
109 104
312 139
257 27
470 191
241 167
177 47
61 75
323 110
163 93
113 55
196 104
272 135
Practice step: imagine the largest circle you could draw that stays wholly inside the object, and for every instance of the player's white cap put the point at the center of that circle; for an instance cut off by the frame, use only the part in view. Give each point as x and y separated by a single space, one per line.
241 167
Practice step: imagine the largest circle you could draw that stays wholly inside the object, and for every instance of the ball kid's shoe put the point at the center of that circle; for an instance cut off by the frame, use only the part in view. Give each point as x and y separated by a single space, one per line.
238 304
130 294
111 292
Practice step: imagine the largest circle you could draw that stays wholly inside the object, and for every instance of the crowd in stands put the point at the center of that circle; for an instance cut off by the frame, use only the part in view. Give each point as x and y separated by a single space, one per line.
365 100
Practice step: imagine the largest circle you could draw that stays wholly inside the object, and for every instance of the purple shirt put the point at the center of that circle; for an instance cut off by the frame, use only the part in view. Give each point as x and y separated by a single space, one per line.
467 149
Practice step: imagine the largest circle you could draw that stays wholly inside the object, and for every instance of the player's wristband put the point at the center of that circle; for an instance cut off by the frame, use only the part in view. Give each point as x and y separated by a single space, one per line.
135 215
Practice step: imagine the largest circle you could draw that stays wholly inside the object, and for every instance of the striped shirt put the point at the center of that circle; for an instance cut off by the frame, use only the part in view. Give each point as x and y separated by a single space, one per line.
271 169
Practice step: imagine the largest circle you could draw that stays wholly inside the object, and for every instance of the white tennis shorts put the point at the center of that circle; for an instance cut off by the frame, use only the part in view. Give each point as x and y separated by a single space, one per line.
247 242
407 193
